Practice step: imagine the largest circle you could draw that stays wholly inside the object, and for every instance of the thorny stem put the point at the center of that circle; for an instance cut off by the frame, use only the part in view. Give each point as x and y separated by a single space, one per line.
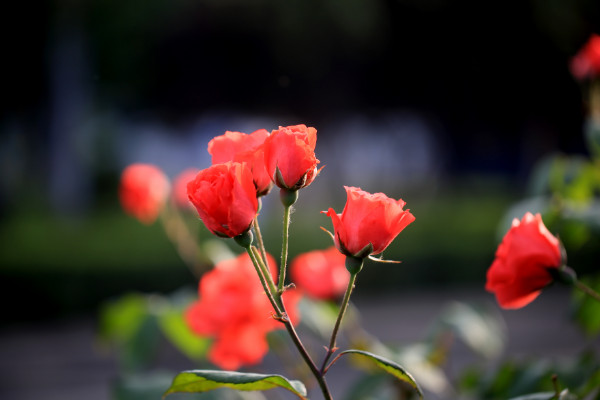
338 322
284 248
587 290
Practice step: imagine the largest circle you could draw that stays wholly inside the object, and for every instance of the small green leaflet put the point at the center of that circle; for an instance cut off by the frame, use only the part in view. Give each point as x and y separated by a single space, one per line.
390 367
197 381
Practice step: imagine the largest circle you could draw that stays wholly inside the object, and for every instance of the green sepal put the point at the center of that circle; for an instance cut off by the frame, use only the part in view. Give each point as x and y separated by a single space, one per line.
198 381
354 264
244 239
288 197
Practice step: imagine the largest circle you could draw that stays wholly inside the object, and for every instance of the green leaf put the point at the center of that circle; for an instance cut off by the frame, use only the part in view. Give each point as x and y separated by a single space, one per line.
197 381
388 366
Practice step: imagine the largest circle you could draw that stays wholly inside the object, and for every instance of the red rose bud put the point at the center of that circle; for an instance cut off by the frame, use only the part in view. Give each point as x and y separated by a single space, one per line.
523 259
225 198
586 63
143 191
243 148
234 309
321 274
368 223
290 156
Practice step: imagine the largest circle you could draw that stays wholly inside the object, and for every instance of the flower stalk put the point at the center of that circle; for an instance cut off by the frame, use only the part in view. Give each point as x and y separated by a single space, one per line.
344 306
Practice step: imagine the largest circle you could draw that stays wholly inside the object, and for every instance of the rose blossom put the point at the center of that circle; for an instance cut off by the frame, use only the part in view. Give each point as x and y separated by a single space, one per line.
290 156
241 147
225 198
520 269
586 63
234 309
368 223
322 274
143 191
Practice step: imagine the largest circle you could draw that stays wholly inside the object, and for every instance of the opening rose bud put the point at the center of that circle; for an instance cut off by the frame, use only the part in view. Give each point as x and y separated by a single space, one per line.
523 262
225 197
290 156
368 223
244 148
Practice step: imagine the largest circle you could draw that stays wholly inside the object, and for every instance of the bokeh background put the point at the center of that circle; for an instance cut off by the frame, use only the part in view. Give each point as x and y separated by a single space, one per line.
447 104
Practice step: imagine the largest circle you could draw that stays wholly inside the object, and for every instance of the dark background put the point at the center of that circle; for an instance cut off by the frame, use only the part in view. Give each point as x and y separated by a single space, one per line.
447 104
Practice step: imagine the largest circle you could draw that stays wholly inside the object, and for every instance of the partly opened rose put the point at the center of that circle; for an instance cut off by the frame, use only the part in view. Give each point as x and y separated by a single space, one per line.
225 197
520 269
368 223
322 274
586 63
241 147
143 191
234 309
290 156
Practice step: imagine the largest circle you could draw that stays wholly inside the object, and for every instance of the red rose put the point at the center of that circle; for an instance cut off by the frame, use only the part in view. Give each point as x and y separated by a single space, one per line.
586 63
520 269
368 223
241 147
143 191
225 197
322 274
234 309
290 156
180 195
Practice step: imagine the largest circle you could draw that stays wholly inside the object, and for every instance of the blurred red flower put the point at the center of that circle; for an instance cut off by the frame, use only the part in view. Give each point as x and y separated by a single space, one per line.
242 147
520 269
290 156
180 194
322 274
143 191
225 198
234 309
586 63
368 223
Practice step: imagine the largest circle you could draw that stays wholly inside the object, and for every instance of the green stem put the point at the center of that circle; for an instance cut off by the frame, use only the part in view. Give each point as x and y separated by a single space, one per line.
338 322
284 248
254 259
259 239
266 273
587 290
